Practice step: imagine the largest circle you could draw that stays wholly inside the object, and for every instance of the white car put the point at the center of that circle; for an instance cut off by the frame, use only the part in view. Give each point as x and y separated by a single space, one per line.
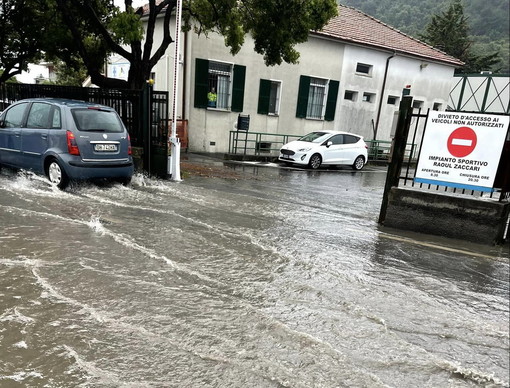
326 148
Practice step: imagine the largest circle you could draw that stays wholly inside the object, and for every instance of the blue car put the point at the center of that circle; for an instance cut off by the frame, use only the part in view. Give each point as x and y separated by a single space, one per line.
66 140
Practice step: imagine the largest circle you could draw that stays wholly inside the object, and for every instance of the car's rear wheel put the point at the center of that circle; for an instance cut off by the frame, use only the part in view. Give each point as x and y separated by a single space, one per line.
315 161
57 175
359 163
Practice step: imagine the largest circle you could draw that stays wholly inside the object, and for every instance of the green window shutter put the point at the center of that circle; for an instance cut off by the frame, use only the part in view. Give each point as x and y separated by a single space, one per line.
264 93
201 85
302 100
238 88
331 100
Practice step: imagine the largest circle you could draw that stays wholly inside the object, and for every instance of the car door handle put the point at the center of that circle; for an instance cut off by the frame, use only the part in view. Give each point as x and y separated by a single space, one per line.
44 136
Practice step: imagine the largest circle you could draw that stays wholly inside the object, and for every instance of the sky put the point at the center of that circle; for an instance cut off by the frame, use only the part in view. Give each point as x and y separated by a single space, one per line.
35 71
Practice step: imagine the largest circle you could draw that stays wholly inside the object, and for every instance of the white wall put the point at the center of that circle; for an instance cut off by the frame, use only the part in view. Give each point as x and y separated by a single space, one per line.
430 83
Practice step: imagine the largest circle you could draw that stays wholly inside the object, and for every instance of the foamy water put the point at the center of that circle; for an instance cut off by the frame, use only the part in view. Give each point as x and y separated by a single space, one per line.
282 281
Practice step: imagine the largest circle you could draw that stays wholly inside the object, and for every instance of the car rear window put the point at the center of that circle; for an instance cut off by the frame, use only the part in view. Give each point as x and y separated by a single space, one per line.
97 120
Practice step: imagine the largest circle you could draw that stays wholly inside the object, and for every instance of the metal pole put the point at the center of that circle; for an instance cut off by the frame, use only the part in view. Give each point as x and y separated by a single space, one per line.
397 156
175 153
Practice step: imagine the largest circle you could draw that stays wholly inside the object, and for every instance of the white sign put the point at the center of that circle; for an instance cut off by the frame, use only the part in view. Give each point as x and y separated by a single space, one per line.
462 149
118 70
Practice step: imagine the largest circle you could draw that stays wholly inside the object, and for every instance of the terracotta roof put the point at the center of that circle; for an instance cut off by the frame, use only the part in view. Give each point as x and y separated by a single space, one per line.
354 26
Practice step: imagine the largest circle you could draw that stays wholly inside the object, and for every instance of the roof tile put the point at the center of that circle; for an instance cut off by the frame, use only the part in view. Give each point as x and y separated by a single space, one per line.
354 26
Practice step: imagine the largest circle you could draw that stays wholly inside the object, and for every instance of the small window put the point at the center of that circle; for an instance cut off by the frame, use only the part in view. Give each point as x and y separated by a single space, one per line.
350 95
362 68
437 106
406 91
417 104
220 75
274 98
393 100
368 97
14 116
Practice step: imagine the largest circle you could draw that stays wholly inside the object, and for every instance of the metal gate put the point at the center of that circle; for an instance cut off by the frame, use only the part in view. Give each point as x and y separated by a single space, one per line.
144 113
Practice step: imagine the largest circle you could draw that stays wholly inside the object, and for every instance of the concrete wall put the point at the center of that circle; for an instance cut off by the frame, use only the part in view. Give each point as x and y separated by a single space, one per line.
471 219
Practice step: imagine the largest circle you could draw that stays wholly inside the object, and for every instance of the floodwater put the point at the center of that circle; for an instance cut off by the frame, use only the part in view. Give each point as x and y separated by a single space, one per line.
279 279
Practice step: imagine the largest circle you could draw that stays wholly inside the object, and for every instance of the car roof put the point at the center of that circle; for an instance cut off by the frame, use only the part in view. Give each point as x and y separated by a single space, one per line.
336 132
65 101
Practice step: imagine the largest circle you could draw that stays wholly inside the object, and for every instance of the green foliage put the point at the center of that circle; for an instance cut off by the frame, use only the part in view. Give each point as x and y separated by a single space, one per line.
126 27
22 27
276 26
488 22
448 31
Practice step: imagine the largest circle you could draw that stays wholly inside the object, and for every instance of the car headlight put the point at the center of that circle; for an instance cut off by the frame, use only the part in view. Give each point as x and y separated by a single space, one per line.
305 149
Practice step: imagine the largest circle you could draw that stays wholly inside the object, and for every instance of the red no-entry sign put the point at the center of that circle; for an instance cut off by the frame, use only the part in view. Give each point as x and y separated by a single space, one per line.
462 142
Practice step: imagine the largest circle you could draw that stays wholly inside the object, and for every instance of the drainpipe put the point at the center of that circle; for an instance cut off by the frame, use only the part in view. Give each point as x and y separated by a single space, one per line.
382 93
184 74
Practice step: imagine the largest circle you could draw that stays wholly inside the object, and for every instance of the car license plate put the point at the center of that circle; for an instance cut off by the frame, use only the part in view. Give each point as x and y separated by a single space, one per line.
105 147
284 156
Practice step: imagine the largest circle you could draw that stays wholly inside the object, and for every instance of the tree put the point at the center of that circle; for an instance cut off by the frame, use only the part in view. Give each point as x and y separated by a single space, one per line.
95 28
449 32
22 27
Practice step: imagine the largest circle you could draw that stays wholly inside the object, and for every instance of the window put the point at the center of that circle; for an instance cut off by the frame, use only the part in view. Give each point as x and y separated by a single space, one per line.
220 75
39 115
219 85
362 68
368 97
337 139
269 97
393 100
350 139
350 95
14 116
317 98
417 104
95 119
437 106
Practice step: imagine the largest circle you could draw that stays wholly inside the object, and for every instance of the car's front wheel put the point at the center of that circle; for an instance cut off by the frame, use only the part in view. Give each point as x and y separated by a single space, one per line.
57 175
315 161
359 163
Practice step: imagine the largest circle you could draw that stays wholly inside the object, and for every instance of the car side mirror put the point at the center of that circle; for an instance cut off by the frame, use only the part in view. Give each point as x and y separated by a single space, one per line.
2 123
329 143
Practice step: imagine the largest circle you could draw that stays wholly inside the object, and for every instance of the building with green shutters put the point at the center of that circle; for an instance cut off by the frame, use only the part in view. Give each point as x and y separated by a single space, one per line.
351 76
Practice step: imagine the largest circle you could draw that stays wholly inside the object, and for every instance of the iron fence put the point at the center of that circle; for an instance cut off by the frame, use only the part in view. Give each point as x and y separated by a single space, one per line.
143 112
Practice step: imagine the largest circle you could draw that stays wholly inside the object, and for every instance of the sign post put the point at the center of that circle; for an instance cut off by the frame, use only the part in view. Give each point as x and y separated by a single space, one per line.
462 150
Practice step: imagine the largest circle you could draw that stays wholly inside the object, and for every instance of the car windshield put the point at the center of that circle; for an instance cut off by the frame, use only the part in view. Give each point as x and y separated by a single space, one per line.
314 137
97 120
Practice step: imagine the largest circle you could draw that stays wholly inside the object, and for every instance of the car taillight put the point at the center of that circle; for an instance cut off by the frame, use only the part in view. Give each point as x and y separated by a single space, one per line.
130 151
72 147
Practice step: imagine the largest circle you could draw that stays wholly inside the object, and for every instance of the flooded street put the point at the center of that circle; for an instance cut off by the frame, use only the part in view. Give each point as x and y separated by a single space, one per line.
280 278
